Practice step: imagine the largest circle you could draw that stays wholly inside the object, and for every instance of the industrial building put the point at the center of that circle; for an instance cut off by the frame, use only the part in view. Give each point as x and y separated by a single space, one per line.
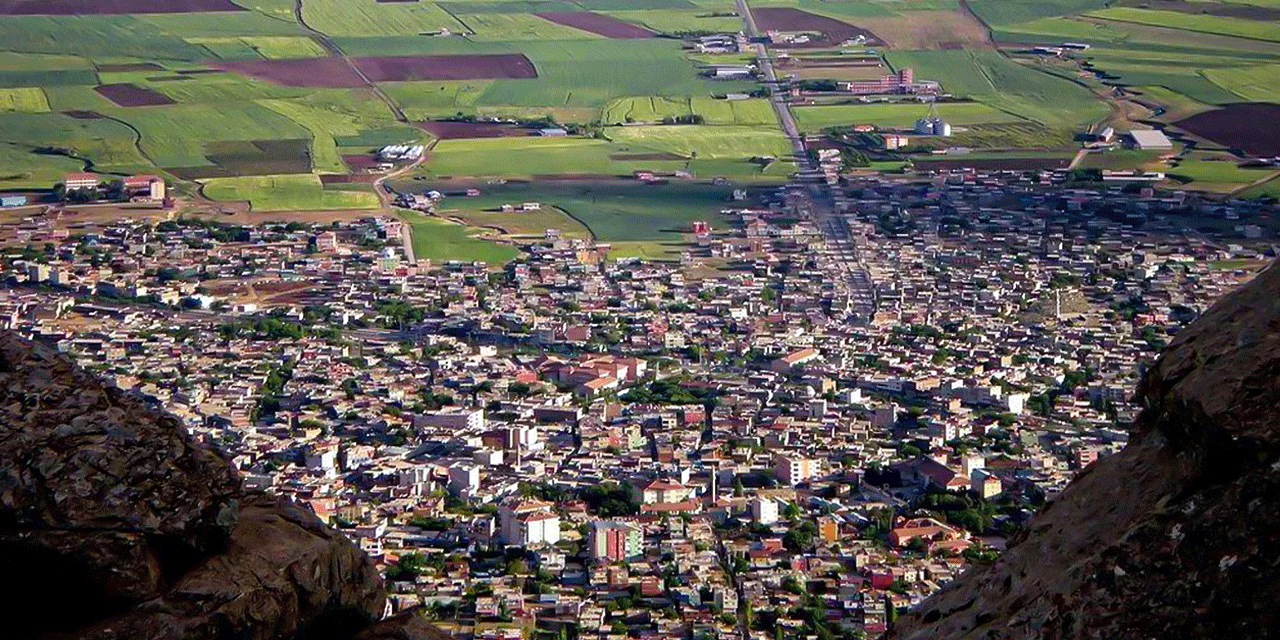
932 126
1150 140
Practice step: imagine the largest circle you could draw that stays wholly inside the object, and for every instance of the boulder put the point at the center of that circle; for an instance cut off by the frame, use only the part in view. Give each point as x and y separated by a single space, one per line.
115 523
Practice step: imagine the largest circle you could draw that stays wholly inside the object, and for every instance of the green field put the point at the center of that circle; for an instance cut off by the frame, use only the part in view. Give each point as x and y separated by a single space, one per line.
1217 173
1001 83
612 210
1253 29
652 109
692 141
725 153
370 18
287 193
442 241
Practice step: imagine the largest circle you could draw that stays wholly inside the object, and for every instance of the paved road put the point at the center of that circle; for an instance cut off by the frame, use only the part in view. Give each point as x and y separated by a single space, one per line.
384 196
818 193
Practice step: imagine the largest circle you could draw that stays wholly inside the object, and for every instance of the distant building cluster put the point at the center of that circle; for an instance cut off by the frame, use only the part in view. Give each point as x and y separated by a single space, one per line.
401 152
902 82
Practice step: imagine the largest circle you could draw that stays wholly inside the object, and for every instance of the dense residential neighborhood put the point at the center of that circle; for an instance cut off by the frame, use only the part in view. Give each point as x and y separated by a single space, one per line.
748 442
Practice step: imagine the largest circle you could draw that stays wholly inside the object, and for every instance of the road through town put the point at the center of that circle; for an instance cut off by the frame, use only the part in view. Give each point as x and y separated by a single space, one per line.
816 191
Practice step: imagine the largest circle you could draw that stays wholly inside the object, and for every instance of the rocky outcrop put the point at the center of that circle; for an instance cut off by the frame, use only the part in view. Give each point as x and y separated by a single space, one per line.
115 524
1176 536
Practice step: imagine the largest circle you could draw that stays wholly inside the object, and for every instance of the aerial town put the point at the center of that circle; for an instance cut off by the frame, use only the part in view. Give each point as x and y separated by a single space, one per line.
799 429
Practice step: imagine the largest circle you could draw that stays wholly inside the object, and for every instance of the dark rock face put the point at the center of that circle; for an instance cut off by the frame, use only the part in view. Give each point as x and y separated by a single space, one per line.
115 524
1178 535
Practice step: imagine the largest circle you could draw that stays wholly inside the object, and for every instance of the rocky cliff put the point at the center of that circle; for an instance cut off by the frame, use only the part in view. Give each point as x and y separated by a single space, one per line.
1178 535
115 524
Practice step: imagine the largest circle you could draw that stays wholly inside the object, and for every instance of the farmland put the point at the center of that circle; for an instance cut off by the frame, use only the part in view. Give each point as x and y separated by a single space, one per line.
287 193
610 210
243 98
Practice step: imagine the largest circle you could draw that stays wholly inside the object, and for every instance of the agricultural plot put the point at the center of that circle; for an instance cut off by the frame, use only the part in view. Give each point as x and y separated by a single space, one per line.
112 7
21 169
261 46
691 141
1250 127
901 116
287 193
534 157
653 109
427 100
1255 84
596 23
336 73
369 18
612 210
485 211
29 99
1218 174
510 27
677 21
1253 29
131 95
925 30
109 144
177 135
995 80
833 31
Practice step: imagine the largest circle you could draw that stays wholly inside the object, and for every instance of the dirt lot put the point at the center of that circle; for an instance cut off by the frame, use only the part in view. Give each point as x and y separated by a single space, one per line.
1249 126
131 95
790 20
598 24
931 30
458 130
447 67
111 7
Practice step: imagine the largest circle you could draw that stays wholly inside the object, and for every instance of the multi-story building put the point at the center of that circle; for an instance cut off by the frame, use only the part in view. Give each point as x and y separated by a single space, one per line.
528 523
792 469
615 541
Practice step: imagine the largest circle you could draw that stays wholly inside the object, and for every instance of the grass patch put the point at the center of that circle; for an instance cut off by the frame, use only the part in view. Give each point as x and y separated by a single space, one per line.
442 241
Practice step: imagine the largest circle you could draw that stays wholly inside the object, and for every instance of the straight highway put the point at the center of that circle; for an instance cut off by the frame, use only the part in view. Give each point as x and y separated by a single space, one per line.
817 191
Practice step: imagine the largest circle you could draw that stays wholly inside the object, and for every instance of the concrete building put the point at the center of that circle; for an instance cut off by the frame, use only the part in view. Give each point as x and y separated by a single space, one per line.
764 510
458 419
78 181
528 523
615 542
464 479
792 469
1150 140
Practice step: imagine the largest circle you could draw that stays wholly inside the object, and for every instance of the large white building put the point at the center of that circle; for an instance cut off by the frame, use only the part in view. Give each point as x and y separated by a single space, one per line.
764 510
470 420
464 479
528 523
